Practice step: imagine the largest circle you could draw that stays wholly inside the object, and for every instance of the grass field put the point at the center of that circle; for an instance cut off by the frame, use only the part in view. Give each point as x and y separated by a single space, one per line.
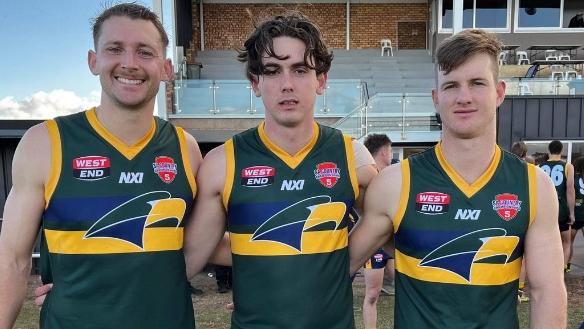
211 312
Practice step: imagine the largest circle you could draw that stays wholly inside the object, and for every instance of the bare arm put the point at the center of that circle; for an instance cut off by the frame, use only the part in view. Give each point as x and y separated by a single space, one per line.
570 191
376 228
22 216
366 170
544 261
206 226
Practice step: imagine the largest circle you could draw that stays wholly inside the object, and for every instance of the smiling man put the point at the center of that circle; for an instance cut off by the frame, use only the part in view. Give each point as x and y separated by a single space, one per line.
285 190
465 212
110 188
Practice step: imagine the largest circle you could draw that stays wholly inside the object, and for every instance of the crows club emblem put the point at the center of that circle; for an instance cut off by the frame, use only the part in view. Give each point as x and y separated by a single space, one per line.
165 168
507 205
327 174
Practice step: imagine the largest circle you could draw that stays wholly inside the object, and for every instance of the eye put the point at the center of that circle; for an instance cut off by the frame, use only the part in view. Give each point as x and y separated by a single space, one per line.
270 72
301 71
146 54
114 50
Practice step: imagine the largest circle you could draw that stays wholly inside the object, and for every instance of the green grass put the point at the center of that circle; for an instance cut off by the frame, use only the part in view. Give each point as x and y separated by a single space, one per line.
211 312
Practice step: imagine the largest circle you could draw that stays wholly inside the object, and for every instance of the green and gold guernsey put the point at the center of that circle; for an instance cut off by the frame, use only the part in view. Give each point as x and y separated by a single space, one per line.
287 220
459 246
579 204
557 172
113 228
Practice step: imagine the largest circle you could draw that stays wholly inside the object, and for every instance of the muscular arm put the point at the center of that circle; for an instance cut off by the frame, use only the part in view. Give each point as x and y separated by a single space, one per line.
544 261
206 226
375 228
22 215
570 192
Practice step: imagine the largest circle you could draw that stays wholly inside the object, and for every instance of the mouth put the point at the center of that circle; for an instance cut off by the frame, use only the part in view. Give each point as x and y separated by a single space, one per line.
465 111
288 102
131 82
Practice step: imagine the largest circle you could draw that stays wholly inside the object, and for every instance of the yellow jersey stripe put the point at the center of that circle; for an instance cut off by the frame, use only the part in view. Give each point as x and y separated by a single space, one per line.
532 179
315 242
482 274
229 171
74 242
468 189
291 160
404 196
56 160
128 151
186 159
351 164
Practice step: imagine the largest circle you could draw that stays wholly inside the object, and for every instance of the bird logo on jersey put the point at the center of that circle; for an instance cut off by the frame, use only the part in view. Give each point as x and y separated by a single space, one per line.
128 221
458 255
289 225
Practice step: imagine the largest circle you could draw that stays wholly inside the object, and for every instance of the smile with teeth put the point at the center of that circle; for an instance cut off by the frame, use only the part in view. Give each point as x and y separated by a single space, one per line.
129 81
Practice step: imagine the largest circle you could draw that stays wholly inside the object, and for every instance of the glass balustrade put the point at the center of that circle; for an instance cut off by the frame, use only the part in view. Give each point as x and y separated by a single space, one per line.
544 86
235 98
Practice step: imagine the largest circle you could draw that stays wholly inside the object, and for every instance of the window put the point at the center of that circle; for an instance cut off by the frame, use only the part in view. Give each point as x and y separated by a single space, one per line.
539 13
485 14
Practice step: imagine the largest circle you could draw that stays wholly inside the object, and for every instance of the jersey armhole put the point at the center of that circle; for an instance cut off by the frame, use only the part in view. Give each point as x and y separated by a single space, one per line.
404 195
532 182
56 160
351 165
229 171
184 151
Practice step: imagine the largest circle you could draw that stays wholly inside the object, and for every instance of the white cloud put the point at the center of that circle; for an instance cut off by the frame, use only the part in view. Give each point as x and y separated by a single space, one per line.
45 105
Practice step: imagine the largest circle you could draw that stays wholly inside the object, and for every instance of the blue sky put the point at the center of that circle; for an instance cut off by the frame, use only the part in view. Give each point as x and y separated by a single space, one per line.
44 56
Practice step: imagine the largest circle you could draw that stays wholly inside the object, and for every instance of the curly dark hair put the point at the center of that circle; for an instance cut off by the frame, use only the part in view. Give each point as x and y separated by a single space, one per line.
375 142
132 11
290 24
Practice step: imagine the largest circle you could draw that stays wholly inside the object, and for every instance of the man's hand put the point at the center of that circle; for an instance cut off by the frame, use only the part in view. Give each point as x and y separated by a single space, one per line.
40 293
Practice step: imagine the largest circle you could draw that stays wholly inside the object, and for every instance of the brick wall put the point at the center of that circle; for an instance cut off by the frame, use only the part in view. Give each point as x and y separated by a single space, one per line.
228 25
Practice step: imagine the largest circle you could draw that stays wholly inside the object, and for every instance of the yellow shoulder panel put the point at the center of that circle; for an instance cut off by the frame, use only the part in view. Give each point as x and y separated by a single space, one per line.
56 160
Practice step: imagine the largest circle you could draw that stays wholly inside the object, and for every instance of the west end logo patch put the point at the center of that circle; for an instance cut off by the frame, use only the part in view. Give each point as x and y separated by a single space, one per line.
327 174
432 203
90 168
257 176
165 168
507 205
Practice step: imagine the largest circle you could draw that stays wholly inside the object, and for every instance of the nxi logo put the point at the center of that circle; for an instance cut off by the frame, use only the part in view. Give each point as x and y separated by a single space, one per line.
292 185
131 177
466 214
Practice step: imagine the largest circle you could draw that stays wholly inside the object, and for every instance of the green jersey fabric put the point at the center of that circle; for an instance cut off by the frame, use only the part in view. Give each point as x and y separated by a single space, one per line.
557 172
459 246
113 228
287 219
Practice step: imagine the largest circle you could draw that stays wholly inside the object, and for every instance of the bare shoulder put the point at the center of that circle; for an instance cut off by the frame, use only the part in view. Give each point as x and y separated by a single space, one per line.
212 173
194 152
385 189
35 144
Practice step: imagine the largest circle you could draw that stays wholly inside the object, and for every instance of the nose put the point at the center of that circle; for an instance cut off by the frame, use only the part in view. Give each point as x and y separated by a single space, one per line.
128 60
464 95
286 82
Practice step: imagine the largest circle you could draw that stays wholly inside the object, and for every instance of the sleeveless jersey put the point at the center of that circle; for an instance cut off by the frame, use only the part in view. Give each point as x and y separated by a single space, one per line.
557 172
459 246
113 228
579 205
287 220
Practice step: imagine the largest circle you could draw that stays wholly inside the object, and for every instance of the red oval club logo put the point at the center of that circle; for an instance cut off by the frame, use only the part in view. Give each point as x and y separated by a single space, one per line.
327 174
507 205
165 168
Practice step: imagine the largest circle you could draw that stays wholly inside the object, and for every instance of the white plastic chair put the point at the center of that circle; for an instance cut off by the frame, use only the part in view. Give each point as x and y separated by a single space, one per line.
557 75
570 75
551 55
503 58
521 57
524 89
563 56
386 45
